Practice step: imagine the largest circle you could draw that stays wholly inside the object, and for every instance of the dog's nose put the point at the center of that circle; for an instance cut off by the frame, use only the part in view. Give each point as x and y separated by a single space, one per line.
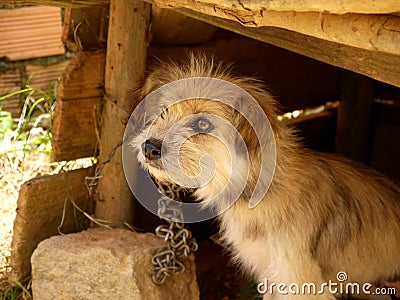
151 148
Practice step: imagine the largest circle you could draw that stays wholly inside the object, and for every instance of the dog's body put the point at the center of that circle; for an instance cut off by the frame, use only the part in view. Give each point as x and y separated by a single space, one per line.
321 215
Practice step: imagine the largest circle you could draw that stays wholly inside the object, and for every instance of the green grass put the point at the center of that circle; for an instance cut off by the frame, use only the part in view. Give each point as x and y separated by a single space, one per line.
16 290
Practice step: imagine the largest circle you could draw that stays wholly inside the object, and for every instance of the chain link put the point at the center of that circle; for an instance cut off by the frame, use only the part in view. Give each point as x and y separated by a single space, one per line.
168 261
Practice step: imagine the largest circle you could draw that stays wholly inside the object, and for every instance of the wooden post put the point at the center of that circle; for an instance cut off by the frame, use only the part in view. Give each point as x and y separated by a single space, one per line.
125 68
354 117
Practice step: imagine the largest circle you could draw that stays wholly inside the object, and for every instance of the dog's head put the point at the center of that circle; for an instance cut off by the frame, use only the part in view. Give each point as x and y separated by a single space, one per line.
199 139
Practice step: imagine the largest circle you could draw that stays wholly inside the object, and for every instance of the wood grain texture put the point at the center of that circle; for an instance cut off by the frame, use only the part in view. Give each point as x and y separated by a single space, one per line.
366 31
80 89
331 6
125 68
40 209
384 67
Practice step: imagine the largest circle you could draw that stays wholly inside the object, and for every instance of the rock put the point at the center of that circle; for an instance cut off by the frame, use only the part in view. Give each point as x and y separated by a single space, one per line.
105 264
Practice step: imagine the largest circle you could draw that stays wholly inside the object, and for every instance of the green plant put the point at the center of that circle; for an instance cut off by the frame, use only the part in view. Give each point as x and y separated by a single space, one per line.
32 131
16 290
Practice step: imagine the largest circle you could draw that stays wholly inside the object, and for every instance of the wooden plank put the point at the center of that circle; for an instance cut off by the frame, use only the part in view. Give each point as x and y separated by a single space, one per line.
85 29
83 77
58 3
80 89
125 68
353 136
74 134
332 6
42 205
372 32
380 66
30 32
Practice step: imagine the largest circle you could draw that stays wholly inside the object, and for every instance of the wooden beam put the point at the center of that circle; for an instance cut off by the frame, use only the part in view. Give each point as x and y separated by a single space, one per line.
380 66
80 89
371 32
58 3
45 209
125 68
374 28
331 6
353 135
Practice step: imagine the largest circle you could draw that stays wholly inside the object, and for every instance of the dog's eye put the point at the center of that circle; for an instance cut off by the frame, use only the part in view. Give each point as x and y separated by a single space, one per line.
202 125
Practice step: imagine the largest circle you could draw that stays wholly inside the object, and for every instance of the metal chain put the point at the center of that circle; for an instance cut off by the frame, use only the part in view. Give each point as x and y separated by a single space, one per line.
168 261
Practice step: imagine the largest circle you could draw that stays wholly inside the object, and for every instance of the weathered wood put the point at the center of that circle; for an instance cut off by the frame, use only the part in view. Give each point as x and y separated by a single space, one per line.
366 31
353 136
80 89
58 3
44 207
380 66
171 28
125 68
372 32
332 6
85 29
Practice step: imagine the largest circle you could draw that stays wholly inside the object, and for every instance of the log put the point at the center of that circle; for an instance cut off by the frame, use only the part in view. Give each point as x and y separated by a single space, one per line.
125 68
353 136
380 66
371 32
80 89
85 29
331 6
44 209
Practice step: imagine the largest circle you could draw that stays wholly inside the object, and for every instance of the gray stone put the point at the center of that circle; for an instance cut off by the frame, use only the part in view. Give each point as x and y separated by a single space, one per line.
105 264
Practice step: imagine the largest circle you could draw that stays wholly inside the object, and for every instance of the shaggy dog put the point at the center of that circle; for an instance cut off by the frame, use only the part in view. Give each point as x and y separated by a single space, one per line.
322 217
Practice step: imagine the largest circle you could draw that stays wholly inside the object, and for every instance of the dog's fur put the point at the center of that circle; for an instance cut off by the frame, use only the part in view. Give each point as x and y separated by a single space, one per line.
322 214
